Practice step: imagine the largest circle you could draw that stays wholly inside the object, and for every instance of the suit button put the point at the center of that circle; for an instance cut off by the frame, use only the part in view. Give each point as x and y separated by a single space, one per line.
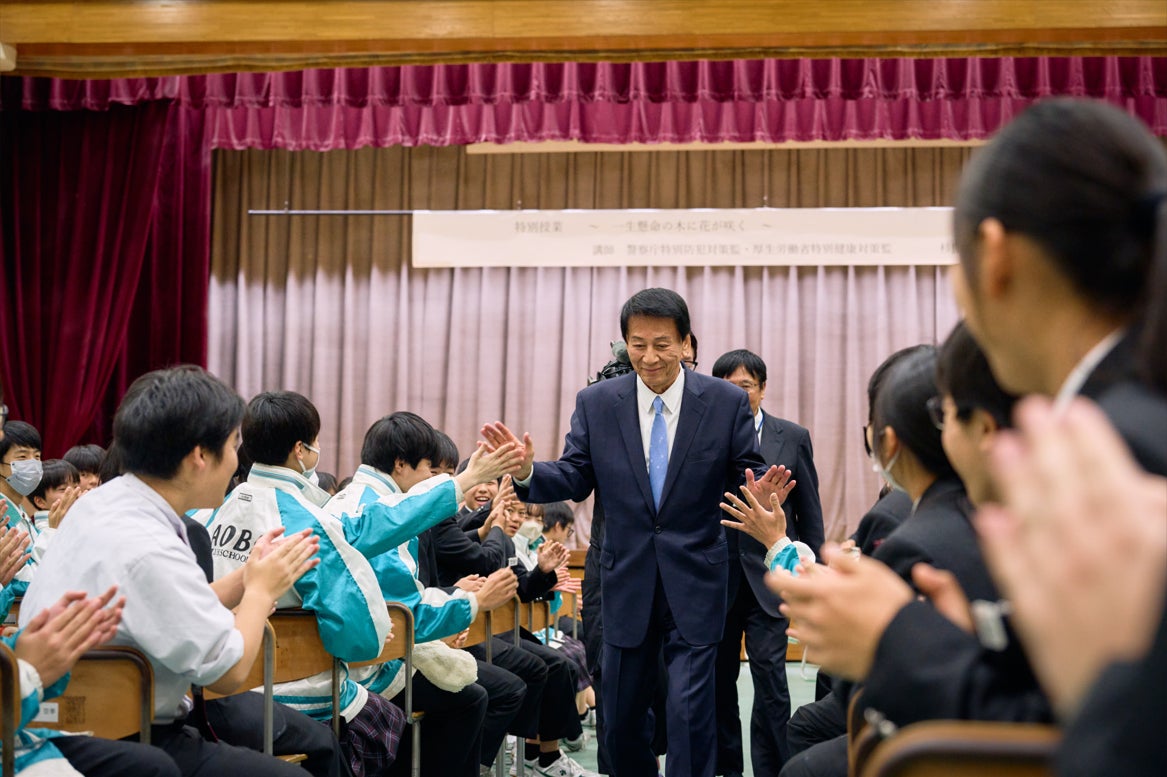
658 529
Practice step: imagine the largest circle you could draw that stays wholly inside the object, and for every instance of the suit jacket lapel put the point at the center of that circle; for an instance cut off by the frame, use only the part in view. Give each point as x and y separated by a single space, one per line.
628 419
692 410
772 438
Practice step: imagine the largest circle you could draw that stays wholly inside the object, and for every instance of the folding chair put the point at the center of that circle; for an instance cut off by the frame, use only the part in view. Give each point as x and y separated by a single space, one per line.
110 692
9 707
262 674
401 646
958 748
299 653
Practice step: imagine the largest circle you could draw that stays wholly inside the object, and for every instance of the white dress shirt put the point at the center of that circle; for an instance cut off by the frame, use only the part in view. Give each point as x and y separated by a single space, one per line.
1072 385
671 398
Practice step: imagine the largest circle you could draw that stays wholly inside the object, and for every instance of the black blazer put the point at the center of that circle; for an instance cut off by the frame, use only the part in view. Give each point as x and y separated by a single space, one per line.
884 517
786 443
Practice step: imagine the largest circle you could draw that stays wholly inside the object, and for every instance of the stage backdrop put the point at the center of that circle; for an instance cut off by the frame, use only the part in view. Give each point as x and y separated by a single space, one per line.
332 306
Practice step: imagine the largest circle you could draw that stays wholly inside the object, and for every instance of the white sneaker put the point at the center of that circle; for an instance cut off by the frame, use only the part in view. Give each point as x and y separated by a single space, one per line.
564 767
590 720
529 767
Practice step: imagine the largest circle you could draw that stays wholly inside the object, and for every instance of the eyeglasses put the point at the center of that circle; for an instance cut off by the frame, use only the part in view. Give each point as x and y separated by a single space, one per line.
935 407
571 532
866 444
690 363
746 385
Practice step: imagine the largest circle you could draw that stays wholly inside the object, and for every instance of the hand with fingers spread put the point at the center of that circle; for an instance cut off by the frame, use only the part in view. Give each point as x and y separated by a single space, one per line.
751 517
280 567
489 463
57 636
775 482
565 583
840 611
498 589
61 506
552 555
505 494
498 435
1083 596
13 553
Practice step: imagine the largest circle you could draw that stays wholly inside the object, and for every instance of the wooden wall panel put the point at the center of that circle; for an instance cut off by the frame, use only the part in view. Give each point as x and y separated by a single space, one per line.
125 37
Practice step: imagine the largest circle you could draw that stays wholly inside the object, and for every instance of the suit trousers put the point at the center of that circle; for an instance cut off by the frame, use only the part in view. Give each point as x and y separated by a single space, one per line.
629 677
766 645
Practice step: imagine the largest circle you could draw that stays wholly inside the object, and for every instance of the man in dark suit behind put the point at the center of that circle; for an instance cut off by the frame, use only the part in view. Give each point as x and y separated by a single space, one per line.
753 608
659 448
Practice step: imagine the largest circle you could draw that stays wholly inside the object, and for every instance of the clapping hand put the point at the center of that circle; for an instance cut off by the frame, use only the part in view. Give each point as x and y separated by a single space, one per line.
552 555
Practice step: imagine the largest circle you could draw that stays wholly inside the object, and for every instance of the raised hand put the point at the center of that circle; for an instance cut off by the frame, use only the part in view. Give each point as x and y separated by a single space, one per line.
775 481
565 582
57 636
13 553
552 555
765 526
281 567
498 589
1082 596
489 463
62 505
497 434
471 583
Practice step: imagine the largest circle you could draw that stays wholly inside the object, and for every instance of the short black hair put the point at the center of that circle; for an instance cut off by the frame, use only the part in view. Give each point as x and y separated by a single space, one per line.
1081 178
111 465
446 454
326 481
962 372
168 413
54 473
557 514
86 458
902 404
728 363
274 422
876 380
401 436
693 345
19 434
656 303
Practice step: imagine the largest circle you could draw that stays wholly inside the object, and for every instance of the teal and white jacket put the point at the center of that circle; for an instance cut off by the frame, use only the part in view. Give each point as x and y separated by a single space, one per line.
35 753
342 589
16 518
436 614
787 554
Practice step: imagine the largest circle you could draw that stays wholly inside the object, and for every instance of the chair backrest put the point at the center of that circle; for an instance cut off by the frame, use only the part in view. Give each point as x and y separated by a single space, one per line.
948 748
9 707
256 675
110 692
401 638
576 563
299 651
505 618
535 616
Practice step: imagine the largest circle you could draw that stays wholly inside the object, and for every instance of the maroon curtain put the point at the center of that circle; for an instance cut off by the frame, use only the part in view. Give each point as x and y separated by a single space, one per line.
742 100
77 194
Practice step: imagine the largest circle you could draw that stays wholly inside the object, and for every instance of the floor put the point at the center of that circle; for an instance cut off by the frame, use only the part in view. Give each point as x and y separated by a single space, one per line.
801 692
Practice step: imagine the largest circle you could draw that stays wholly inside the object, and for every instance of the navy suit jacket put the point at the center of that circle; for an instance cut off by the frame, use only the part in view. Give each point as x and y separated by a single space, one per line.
682 543
786 443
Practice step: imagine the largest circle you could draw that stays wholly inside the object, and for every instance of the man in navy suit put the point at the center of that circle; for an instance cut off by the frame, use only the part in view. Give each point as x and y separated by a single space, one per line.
753 608
660 448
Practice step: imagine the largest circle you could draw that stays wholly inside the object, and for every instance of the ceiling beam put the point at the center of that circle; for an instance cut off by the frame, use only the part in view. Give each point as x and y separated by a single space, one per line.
106 38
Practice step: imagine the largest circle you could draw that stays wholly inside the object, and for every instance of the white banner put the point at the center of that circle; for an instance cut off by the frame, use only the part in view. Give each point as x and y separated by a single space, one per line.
670 238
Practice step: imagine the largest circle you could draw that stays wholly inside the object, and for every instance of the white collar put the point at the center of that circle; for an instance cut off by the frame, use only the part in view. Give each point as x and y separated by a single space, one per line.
135 483
1072 386
671 397
288 480
758 417
376 479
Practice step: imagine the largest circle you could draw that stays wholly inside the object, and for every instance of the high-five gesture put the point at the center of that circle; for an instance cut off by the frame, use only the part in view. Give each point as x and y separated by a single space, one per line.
489 462
498 435
751 517
776 481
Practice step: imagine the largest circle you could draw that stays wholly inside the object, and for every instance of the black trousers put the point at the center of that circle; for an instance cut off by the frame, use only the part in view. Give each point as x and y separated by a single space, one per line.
95 757
826 759
766 645
451 732
238 720
818 722
505 692
196 756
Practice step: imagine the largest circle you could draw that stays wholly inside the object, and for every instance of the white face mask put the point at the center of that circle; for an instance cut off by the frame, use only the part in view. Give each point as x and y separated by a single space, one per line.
310 473
26 476
885 472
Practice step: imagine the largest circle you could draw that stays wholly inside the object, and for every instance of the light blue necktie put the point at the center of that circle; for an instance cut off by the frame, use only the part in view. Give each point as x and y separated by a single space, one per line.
658 452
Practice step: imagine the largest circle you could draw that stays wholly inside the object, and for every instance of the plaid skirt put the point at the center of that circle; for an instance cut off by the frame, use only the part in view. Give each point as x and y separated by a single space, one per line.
371 738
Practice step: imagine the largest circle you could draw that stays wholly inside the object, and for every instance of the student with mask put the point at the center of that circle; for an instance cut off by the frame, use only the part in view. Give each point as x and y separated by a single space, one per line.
20 473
